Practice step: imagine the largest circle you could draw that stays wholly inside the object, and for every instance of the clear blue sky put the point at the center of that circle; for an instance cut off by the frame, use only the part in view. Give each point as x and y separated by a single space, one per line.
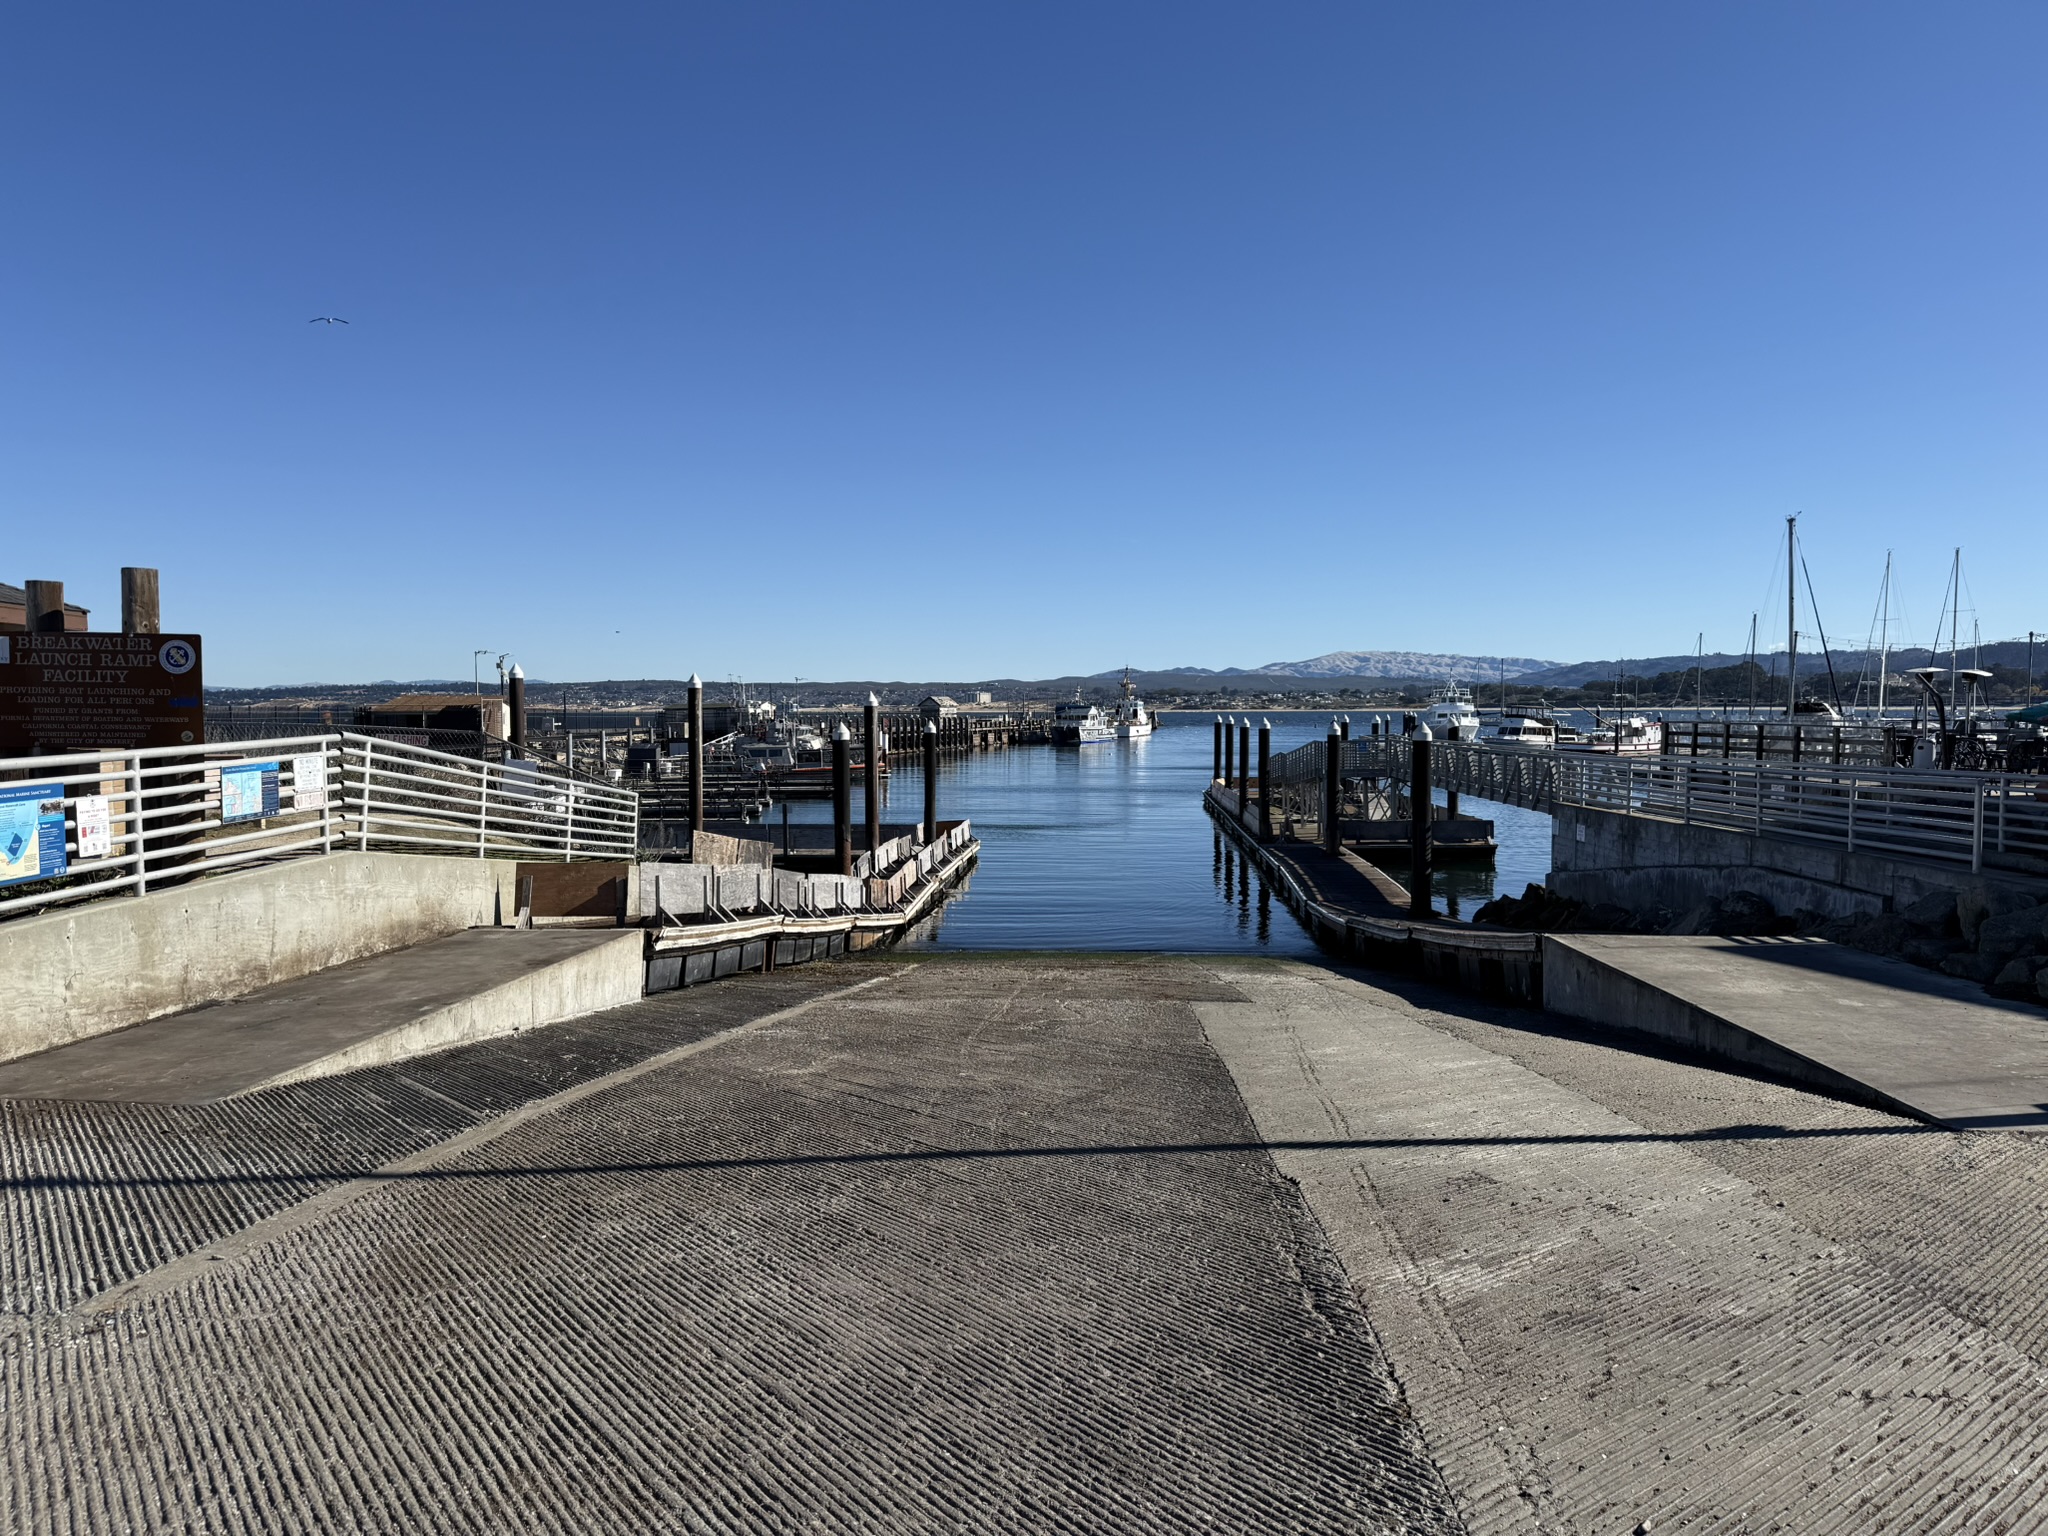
970 340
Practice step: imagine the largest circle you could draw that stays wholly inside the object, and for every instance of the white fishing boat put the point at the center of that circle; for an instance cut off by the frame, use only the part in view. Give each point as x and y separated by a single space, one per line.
1077 722
1624 736
1129 719
1523 733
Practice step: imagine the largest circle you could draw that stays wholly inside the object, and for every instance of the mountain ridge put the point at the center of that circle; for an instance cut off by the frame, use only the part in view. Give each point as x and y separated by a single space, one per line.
1430 666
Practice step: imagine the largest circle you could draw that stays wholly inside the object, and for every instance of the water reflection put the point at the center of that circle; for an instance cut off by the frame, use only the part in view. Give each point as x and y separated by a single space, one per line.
1100 848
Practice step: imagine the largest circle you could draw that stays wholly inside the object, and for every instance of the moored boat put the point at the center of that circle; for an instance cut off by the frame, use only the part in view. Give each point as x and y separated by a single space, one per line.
1129 720
1523 733
1625 736
1076 722
1451 708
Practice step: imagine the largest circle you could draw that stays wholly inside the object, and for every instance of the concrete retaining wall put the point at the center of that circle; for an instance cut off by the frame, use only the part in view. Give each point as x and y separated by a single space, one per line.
81 971
608 975
1580 985
1641 863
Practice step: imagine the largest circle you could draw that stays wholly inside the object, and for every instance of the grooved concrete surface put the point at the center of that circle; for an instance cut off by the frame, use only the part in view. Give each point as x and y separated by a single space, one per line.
908 1260
1015 1245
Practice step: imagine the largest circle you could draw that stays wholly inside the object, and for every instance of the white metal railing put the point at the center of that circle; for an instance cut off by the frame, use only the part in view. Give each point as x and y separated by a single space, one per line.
1978 820
126 820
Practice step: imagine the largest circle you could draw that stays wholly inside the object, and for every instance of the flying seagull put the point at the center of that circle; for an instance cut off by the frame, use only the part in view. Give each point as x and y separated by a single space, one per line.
327 320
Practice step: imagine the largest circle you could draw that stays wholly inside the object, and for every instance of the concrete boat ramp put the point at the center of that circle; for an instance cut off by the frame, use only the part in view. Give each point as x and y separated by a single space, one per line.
1023 1244
1860 1026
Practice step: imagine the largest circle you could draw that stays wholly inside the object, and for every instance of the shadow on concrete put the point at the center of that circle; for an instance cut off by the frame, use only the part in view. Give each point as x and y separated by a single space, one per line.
1718 1133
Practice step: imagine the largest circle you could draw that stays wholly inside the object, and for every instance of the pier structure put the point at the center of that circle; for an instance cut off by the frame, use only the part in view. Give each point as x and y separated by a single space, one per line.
1773 1001
165 880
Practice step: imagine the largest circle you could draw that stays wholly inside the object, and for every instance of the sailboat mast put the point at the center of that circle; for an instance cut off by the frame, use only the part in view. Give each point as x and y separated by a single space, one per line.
1791 616
1884 643
1955 578
1752 666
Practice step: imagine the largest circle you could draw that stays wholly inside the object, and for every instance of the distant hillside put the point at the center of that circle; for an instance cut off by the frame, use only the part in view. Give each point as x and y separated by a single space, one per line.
1425 666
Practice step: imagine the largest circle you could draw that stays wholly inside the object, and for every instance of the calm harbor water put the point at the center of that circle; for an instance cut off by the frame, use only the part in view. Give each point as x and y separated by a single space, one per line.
1108 847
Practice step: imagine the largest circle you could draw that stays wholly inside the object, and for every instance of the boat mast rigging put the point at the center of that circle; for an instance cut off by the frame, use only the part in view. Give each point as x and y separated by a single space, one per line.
1792 616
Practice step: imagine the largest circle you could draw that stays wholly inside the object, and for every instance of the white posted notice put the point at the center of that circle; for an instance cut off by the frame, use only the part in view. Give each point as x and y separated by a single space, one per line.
309 782
95 827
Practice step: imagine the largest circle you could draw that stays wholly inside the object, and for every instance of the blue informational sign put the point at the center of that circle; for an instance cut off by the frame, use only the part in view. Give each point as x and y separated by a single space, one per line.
248 791
31 832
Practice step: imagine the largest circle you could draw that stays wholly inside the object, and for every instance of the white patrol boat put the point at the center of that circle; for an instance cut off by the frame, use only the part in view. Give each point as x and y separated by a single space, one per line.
1078 722
1129 719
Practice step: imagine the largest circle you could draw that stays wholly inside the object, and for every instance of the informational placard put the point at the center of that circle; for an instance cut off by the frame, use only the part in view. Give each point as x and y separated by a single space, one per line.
31 832
83 691
95 818
309 782
248 791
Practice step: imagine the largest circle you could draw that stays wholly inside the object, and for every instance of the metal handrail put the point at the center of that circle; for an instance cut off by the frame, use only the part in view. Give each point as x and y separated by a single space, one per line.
163 815
1948 816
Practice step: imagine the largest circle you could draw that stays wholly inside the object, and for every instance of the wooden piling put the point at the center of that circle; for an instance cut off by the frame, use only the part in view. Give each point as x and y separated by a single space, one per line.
696 728
842 801
1333 783
1265 780
871 770
45 607
931 782
1419 827
141 613
515 699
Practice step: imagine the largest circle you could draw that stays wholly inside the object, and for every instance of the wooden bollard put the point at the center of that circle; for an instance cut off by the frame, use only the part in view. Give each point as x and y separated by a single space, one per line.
1229 730
1265 780
1216 752
842 800
1344 729
1333 781
931 782
1419 829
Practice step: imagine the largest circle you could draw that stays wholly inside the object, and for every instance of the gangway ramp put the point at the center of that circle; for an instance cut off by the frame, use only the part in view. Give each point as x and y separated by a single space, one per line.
1851 1024
406 1002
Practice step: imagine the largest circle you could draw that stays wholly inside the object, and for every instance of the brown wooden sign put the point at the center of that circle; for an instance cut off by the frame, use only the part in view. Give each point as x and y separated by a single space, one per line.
80 692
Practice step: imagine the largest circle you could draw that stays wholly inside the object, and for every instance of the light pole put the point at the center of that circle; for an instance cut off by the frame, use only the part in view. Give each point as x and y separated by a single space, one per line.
476 676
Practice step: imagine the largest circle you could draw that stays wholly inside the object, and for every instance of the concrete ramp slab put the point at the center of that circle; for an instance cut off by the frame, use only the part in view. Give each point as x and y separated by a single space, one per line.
1848 1023
468 986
